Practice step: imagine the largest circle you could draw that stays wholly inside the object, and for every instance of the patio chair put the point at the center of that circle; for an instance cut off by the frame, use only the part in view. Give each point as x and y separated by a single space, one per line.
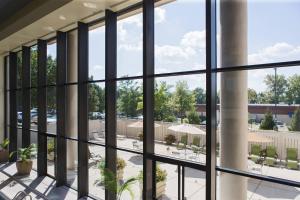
292 158
255 153
271 156
183 142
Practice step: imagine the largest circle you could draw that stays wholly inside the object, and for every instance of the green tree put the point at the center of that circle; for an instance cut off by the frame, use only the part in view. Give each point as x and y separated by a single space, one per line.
281 86
96 98
129 95
200 95
162 104
295 123
193 117
293 89
252 96
268 122
183 99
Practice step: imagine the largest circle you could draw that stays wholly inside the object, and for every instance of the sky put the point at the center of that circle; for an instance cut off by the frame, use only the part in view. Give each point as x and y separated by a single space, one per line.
273 36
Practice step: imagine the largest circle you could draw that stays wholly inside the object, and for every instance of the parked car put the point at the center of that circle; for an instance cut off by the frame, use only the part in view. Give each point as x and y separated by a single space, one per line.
51 118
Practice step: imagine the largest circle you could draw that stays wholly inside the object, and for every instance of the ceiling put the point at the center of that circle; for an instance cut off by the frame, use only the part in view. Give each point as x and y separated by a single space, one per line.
32 20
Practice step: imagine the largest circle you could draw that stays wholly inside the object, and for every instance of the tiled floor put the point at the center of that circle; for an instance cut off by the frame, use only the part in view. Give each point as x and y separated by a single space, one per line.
36 187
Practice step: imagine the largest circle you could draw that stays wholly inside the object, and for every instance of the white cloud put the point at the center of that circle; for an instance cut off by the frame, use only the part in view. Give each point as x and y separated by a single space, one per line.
160 15
194 39
132 47
278 52
97 67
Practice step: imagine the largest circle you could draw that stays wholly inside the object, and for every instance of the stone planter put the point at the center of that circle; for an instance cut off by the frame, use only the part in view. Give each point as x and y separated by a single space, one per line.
4 155
24 167
50 156
160 189
120 174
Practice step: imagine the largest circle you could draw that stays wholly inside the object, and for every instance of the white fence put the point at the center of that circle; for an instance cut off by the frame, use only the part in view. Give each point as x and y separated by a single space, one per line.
281 140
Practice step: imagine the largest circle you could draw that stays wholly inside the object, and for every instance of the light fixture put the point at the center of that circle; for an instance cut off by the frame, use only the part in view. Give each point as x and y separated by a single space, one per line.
62 17
48 28
89 5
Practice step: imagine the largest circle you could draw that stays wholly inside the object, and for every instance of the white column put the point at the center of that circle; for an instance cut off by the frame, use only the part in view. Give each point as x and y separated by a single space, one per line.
72 101
234 98
2 92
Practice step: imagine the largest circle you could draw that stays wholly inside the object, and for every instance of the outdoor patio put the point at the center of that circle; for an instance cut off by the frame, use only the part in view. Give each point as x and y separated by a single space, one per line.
194 180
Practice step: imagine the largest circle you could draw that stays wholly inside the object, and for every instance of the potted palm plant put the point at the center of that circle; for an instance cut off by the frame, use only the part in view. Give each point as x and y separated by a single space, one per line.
4 154
113 185
24 164
161 177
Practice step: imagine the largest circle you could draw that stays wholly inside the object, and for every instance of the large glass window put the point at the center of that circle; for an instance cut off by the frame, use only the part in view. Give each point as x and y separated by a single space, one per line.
179 38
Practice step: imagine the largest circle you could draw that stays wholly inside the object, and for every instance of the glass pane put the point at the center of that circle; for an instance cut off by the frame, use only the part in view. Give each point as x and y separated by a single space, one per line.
97 54
96 161
33 109
19 138
130 166
72 163
72 111
263 129
248 188
33 66
51 155
130 114
19 108
51 64
282 43
34 141
51 110
129 46
180 117
97 112
194 184
166 181
179 38
19 69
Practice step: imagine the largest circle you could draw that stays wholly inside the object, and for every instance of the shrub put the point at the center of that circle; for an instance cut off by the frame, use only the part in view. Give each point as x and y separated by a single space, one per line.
141 136
295 123
268 122
193 117
185 120
169 139
170 118
161 175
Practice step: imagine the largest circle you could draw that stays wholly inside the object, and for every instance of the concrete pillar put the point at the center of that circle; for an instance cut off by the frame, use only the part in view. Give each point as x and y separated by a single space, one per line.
2 91
72 101
234 98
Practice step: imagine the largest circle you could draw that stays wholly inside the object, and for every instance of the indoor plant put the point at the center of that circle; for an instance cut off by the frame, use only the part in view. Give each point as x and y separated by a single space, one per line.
24 164
4 154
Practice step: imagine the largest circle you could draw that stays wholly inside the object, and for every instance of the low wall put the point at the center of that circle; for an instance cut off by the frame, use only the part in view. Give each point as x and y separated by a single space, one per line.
281 140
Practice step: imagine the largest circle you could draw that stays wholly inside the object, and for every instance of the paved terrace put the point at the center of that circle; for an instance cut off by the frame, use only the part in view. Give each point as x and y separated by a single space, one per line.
44 187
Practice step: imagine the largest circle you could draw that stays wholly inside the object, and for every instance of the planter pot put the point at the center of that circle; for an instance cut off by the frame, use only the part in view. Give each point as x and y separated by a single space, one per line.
4 155
24 167
120 174
160 189
50 156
